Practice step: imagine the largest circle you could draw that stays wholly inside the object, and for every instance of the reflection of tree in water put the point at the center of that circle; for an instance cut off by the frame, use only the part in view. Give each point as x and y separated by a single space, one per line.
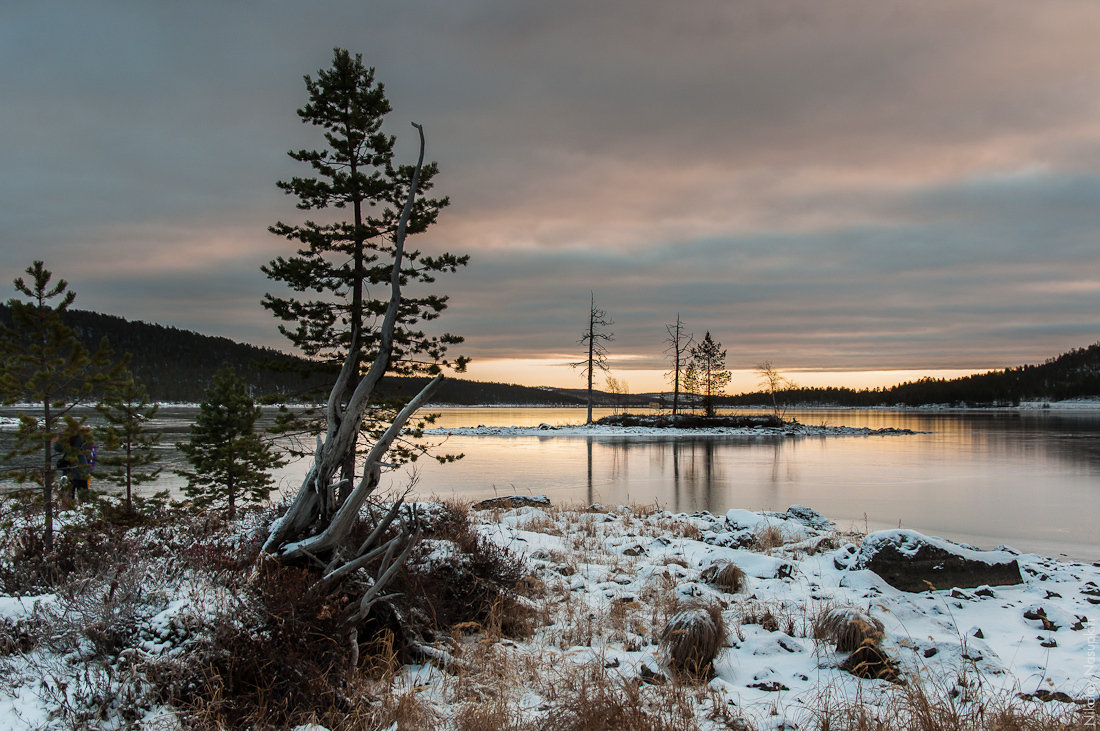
697 467
783 469
695 473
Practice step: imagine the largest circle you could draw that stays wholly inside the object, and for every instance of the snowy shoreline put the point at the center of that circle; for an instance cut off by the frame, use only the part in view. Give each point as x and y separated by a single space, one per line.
582 430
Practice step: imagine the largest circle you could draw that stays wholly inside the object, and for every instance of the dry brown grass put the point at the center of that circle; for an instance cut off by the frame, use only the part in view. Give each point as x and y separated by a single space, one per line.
726 575
849 627
588 698
692 638
927 704
767 537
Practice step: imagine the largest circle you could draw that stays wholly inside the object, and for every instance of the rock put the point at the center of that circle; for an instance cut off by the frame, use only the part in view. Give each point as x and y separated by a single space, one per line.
773 687
810 517
514 501
911 561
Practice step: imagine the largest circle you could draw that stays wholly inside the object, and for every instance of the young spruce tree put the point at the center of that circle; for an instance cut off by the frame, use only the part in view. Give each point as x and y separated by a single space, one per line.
44 363
710 374
127 413
231 463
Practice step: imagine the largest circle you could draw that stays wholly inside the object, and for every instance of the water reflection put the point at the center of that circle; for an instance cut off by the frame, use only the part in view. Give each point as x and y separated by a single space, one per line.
1029 479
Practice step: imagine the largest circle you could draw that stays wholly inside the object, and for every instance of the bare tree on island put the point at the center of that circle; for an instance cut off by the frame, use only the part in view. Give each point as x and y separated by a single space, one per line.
677 350
594 338
774 384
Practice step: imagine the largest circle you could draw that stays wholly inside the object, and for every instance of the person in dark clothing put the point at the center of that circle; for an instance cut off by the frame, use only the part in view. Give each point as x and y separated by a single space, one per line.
78 473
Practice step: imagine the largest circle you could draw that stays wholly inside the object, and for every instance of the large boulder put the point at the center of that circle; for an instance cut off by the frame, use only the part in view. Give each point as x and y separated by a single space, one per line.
911 561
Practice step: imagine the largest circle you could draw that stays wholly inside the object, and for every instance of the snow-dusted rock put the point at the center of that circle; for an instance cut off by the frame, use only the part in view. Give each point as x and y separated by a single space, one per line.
911 561
507 502
810 517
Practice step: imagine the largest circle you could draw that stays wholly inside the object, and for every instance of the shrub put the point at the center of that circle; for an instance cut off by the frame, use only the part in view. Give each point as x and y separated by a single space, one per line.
457 575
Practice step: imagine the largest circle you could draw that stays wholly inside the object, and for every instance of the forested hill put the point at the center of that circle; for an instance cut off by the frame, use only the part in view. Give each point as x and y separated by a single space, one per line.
1075 374
178 365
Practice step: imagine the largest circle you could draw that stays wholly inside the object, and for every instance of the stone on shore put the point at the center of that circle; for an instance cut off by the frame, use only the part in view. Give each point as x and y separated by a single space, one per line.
911 561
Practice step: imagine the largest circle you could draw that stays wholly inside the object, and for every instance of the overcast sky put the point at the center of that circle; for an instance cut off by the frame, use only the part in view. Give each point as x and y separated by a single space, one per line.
839 186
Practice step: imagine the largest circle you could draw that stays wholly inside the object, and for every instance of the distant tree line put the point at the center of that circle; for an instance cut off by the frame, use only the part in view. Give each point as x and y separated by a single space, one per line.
1075 374
178 366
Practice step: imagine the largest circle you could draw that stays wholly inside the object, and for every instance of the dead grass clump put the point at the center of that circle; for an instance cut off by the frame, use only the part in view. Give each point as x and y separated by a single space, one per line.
923 704
761 614
726 575
871 662
849 627
587 699
766 537
399 710
692 638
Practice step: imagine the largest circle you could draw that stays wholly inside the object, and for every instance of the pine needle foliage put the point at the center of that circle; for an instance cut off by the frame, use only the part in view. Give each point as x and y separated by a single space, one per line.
231 463
45 364
127 413
708 372
341 258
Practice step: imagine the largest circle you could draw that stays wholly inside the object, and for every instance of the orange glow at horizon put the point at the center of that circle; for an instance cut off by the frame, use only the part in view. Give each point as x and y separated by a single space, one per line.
556 373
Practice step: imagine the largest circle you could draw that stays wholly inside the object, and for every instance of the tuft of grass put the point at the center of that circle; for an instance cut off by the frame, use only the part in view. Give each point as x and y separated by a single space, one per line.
692 638
923 703
587 698
726 575
767 537
848 627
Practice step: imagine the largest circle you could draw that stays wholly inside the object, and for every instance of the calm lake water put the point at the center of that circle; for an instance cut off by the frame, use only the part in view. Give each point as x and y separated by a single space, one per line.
1029 479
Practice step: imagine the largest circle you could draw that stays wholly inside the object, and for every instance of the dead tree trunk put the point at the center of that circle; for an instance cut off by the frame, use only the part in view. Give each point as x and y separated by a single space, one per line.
320 519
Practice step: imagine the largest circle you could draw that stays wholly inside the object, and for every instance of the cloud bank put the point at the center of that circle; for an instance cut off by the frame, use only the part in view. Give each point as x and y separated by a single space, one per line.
846 186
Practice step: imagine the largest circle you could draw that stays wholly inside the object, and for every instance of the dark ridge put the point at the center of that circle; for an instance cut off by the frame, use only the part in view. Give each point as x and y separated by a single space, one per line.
179 365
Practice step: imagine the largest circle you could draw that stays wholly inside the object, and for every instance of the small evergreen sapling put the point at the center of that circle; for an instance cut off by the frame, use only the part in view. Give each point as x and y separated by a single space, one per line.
231 463
45 364
128 413
711 376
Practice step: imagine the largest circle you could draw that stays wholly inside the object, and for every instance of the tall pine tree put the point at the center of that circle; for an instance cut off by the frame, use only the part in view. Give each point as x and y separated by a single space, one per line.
45 364
339 260
127 413
231 463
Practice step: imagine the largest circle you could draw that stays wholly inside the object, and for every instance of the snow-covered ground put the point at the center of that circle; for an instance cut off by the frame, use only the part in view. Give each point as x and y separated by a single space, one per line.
601 583
608 558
